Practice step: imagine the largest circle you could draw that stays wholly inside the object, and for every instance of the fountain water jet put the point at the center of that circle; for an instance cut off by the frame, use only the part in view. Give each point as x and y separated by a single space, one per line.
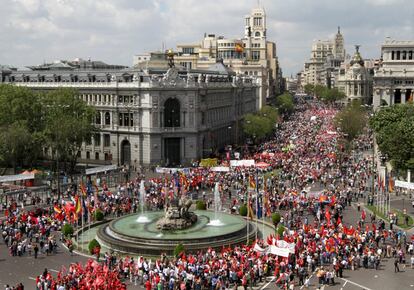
142 219
216 222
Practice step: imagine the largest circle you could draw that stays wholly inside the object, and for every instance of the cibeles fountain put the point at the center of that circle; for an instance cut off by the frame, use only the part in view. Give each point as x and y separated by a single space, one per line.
155 232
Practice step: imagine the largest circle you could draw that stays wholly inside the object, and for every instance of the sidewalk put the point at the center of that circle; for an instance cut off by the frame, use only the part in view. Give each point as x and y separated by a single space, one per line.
408 231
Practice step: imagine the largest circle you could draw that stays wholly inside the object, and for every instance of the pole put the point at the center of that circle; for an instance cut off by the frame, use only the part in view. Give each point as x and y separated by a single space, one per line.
257 198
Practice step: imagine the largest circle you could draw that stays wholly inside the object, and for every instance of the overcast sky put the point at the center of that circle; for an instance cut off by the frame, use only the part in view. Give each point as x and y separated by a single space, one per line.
34 31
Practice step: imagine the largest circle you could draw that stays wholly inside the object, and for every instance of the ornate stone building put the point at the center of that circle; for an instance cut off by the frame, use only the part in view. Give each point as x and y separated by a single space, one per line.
394 78
355 79
252 55
325 60
151 116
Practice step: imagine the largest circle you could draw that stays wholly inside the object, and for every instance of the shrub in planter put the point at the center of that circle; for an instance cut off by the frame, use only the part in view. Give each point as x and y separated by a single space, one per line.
67 230
243 210
98 215
201 205
93 245
280 230
178 249
276 218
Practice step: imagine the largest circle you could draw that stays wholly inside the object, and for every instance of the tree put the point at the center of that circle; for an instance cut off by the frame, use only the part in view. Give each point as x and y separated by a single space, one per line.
93 246
351 120
243 210
69 121
256 126
276 218
280 230
67 230
309 89
201 205
21 126
285 103
331 95
98 215
394 129
179 248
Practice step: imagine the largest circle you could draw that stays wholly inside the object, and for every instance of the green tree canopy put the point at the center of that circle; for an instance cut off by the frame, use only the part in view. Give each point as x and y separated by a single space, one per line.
21 126
394 129
30 121
351 120
261 123
285 103
309 89
68 122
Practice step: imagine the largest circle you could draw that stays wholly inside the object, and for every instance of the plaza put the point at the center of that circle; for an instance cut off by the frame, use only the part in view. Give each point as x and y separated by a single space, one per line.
202 167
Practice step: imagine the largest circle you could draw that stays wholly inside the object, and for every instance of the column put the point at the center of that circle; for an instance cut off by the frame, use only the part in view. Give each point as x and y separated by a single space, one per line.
402 98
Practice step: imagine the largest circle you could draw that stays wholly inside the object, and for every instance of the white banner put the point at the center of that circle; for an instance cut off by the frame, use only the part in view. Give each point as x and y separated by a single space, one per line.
404 184
285 245
282 252
220 169
18 177
168 170
100 169
243 162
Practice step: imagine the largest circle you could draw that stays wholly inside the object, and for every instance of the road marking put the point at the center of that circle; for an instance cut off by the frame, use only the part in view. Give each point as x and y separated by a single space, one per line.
53 270
342 288
31 278
307 281
356 284
375 276
267 284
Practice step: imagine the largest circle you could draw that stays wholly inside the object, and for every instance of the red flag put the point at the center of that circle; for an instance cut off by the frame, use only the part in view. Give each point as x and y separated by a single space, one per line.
328 216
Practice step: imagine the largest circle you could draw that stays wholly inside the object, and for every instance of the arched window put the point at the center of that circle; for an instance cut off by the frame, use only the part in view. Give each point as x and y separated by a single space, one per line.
98 118
107 118
257 34
172 113
88 155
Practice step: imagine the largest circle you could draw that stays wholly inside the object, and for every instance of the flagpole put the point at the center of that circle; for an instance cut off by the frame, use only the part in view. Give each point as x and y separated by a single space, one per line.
257 198
82 217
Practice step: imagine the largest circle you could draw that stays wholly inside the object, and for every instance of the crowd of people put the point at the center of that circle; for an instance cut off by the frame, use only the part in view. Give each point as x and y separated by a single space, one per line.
310 180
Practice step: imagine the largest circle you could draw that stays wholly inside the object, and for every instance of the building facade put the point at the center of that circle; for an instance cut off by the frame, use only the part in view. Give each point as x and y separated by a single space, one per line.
153 116
394 77
355 79
325 60
251 55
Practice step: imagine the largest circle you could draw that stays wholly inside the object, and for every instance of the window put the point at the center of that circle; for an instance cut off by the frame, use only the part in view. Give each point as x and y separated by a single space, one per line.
188 50
126 119
203 118
79 154
172 113
107 118
98 118
96 155
107 140
97 139
255 54
88 155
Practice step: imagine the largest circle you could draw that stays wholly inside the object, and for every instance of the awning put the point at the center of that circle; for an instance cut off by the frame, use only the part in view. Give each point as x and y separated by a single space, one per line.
100 169
18 177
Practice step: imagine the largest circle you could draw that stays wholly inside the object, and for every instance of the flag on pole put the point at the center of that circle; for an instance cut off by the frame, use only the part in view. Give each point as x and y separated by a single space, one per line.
78 206
390 184
82 189
252 183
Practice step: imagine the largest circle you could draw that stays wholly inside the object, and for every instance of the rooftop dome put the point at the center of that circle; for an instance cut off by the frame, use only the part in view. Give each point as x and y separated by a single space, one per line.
357 59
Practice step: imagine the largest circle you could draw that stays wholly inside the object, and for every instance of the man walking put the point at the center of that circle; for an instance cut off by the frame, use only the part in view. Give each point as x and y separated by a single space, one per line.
396 268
